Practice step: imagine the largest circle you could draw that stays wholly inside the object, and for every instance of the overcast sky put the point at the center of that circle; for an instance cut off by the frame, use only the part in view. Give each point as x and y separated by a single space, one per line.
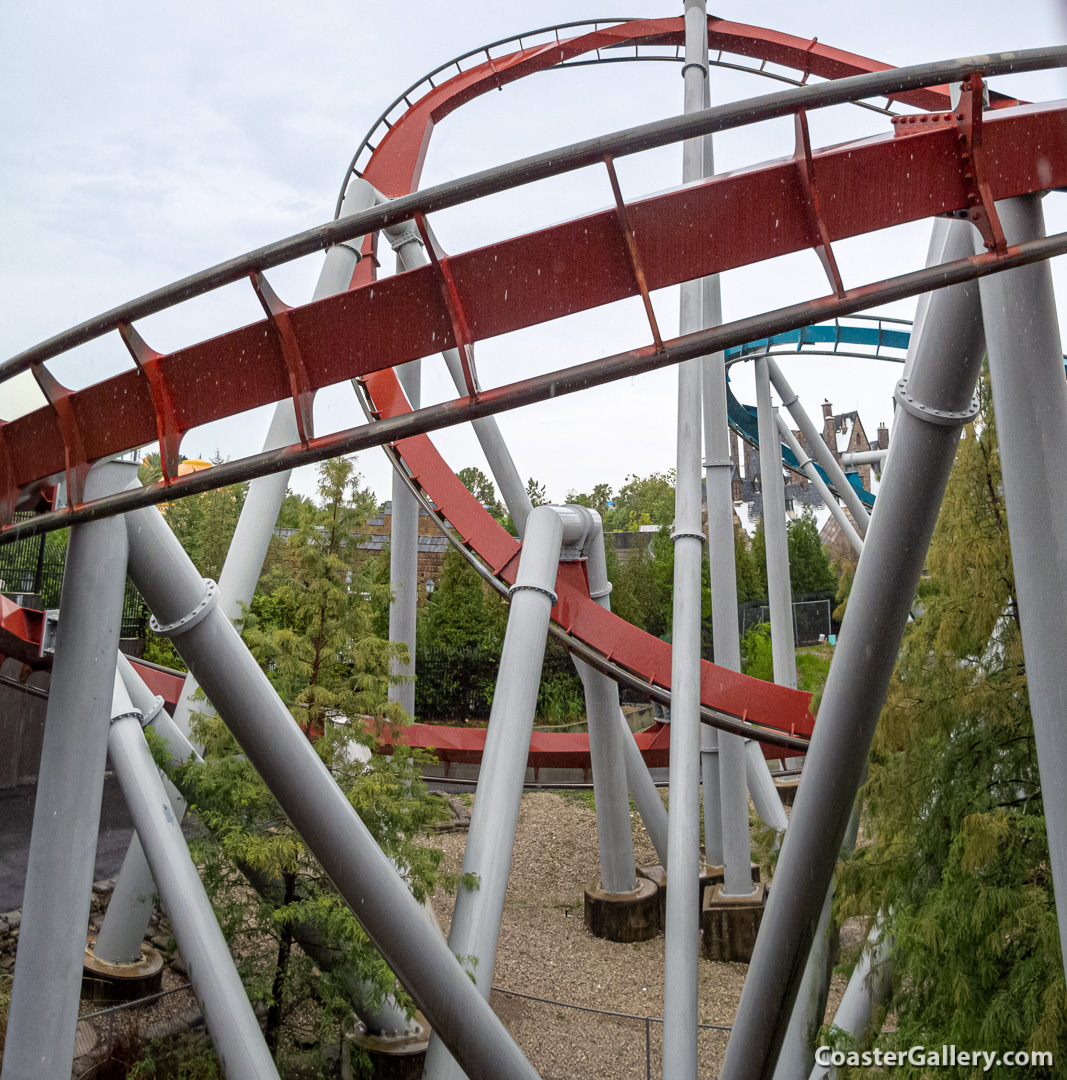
140 143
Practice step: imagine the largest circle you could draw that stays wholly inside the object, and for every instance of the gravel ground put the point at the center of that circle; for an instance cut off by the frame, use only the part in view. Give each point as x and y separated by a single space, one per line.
545 951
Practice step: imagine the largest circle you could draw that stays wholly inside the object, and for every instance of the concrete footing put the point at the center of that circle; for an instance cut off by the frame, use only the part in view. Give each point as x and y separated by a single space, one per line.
709 875
400 1058
109 983
787 789
632 916
730 924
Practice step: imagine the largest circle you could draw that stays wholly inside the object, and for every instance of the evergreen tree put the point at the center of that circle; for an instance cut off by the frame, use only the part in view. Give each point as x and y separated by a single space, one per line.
959 862
315 642
809 568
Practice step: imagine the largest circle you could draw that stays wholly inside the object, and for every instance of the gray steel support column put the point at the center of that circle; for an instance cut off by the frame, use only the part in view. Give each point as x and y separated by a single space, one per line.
813 439
817 482
228 1014
765 797
644 792
293 771
776 538
59 875
1030 404
126 920
606 740
683 822
868 986
512 490
798 1048
479 910
895 547
404 561
130 908
263 503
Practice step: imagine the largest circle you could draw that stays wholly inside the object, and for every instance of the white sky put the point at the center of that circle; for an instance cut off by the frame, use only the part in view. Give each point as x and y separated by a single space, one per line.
140 143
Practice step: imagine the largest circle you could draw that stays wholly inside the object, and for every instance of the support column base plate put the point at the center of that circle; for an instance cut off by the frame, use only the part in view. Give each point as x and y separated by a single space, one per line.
391 1058
114 983
730 924
632 916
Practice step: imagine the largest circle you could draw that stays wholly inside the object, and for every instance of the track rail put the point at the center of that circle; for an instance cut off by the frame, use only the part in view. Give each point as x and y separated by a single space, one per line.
363 333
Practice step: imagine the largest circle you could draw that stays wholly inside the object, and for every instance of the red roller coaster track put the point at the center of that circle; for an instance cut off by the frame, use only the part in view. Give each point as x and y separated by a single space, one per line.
934 163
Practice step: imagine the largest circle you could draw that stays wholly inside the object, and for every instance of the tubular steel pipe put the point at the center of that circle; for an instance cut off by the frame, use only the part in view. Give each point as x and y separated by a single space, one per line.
682 928
537 167
817 482
59 874
607 737
1030 404
895 547
480 908
813 438
263 503
228 1014
865 457
298 779
776 538
130 908
552 384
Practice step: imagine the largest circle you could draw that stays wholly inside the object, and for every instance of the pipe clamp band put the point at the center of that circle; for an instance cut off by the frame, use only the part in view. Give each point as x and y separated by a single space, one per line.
598 593
133 714
700 67
695 535
944 417
157 708
187 622
534 588
404 233
719 463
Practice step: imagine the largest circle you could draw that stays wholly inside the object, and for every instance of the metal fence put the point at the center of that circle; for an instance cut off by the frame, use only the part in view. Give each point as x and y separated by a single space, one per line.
561 1039
812 618
31 571
457 684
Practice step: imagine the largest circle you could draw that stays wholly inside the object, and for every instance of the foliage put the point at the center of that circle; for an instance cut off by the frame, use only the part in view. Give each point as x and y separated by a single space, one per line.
464 612
314 638
647 500
809 567
756 659
536 491
476 482
959 862
599 499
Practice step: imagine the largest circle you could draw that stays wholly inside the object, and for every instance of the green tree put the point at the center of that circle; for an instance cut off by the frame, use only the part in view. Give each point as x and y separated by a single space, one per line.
536 491
647 500
332 672
599 499
479 485
809 568
959 863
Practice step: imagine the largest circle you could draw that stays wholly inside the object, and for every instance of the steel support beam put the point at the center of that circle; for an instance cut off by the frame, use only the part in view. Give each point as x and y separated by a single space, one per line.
480 907
817 482
895 547
607 738
228 1014
814 441
683 822
59 875
319 810
1030 404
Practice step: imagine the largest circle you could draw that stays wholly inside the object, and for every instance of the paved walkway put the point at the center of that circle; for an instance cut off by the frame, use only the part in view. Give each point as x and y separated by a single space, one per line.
16 820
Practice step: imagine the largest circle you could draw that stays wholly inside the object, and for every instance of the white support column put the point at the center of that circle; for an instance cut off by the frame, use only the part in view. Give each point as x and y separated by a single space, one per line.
480 907
683 822
1030 404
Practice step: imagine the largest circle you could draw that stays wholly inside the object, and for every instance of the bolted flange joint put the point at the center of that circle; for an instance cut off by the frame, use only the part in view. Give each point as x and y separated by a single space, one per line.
133 714
534 588
187 622
676 536
944 417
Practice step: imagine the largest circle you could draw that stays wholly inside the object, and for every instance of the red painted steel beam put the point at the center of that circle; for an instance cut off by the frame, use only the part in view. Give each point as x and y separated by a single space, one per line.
730 220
